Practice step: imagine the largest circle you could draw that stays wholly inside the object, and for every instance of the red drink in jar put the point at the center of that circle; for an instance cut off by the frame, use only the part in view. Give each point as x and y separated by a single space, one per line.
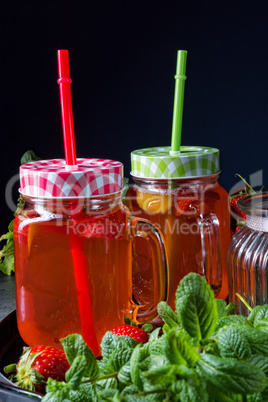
73 253
180 194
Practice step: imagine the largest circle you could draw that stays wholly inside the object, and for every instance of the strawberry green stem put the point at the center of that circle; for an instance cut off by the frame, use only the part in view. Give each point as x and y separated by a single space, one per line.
246 183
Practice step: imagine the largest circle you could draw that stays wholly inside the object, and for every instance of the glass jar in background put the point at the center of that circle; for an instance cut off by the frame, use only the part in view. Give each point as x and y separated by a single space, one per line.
73 253
181 195
248 255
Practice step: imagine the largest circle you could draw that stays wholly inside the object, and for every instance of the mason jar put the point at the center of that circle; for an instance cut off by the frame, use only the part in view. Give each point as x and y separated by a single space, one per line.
181 195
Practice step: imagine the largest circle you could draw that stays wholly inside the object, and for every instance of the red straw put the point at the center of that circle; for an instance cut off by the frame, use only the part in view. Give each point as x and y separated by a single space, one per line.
64 82
80 268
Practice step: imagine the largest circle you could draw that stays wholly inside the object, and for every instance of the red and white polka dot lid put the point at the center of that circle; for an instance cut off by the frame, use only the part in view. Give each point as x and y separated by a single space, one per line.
50 178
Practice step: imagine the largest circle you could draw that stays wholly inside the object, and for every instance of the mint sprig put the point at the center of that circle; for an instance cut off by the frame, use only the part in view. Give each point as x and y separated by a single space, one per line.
203 354
7 253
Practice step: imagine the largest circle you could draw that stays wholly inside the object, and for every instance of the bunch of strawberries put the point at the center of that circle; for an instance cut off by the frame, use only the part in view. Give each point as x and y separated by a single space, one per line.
39 363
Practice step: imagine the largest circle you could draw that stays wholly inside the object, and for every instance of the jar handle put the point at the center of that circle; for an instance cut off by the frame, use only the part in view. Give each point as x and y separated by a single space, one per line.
149 285
209 229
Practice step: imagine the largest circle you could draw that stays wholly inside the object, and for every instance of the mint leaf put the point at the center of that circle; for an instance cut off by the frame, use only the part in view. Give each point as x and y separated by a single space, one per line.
7 265
123 375
253 314
231 319
188 392
154 335
179 351
7 254
157 362
75 373
119 358
230 308
196 306
29 156
168 315
232 342
56 391
84 394
111 342
157 347
260 361
163 376
130 390
219 396
221 307
74 346
232 375
224 309
258 340
256 398
110 395
259 317
139 354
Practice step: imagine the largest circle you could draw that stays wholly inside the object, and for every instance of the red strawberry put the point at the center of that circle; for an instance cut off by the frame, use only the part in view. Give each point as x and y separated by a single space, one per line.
134 332
211 197
236 213
234 208
36 365
190 203
182 205
110 225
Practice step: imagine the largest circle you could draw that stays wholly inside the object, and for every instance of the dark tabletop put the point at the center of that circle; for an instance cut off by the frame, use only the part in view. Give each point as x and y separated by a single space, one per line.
7 295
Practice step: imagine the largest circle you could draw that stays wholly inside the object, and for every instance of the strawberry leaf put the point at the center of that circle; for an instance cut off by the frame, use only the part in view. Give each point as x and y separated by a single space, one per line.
129 321
248 187
147 327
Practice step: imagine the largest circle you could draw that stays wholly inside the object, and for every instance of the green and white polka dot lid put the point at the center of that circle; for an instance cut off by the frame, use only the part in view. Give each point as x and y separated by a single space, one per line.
162 163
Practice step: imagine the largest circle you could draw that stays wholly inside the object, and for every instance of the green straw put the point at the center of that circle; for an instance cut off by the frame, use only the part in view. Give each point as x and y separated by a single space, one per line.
180 78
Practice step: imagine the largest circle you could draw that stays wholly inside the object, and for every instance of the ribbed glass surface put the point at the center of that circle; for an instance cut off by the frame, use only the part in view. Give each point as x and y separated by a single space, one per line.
247 259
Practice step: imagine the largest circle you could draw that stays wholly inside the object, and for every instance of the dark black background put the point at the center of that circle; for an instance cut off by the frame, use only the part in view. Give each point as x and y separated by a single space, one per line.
122 62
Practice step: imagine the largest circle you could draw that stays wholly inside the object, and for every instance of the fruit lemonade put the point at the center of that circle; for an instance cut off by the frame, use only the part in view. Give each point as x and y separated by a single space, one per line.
49 234
176 187
177 208
72 248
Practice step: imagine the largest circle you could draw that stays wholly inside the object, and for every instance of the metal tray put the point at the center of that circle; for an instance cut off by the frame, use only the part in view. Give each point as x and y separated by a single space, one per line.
11 346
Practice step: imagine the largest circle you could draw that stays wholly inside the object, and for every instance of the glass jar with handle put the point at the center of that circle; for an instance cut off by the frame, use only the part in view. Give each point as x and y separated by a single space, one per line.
179 192
73 253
